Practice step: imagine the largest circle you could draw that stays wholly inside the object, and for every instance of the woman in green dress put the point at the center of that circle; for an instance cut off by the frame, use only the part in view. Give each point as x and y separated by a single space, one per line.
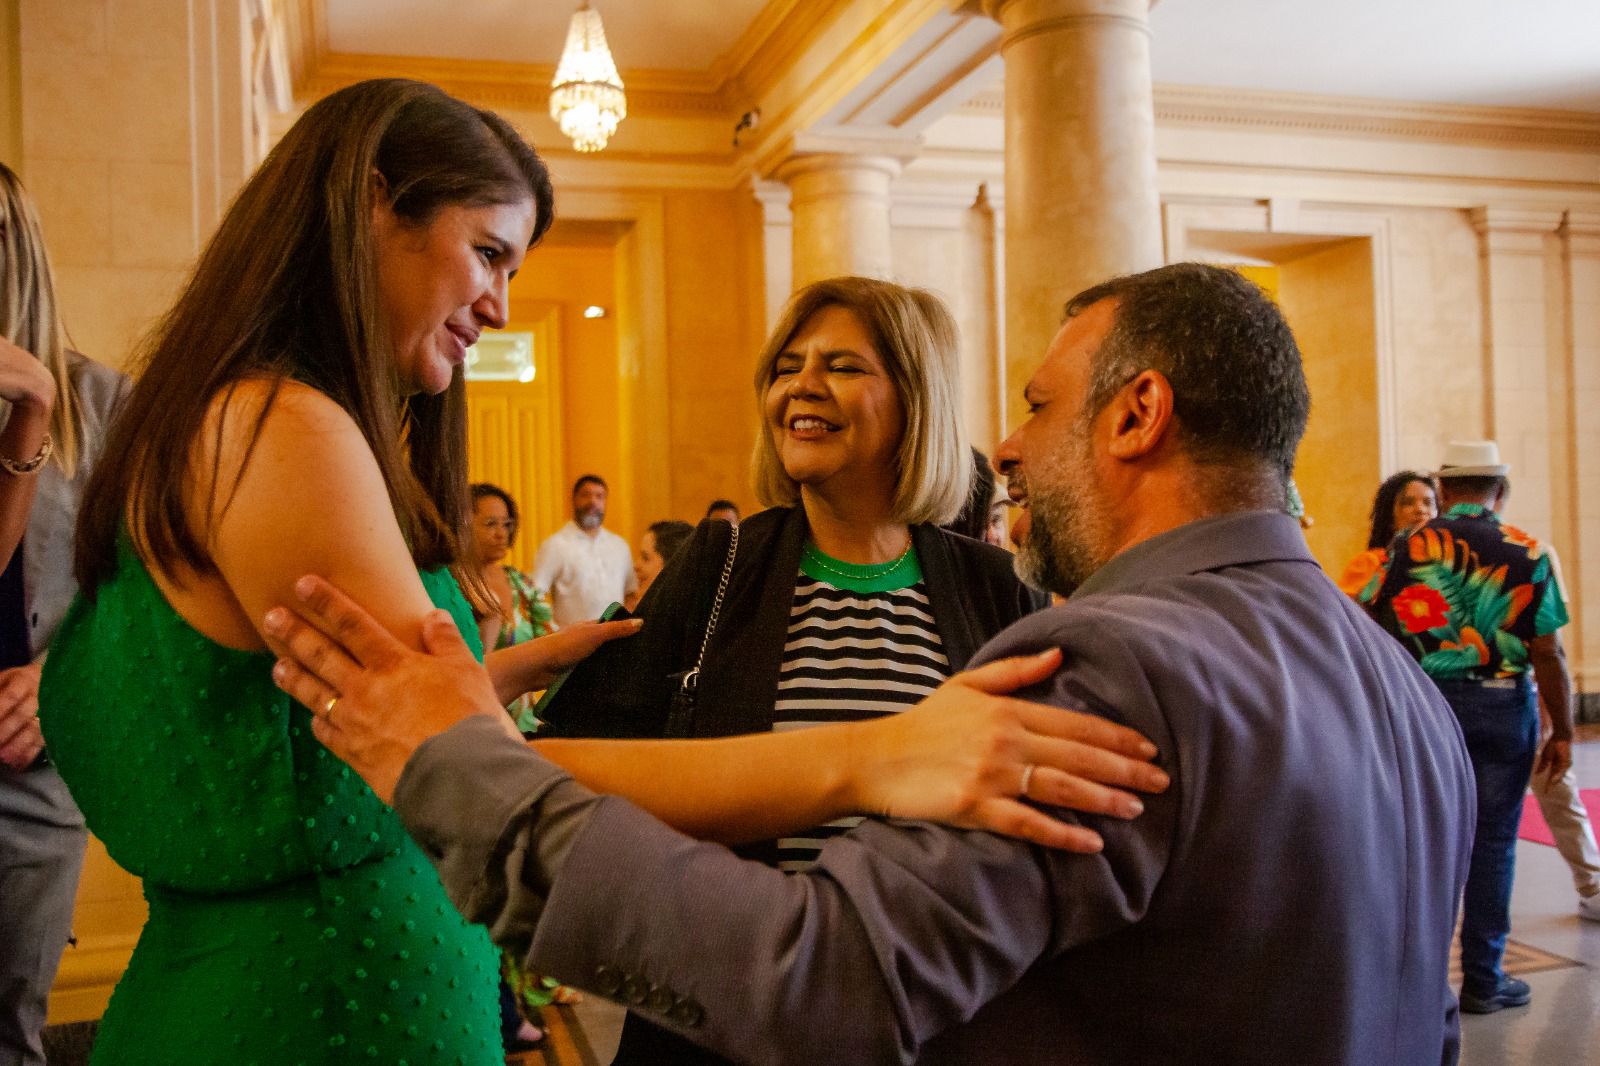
301 409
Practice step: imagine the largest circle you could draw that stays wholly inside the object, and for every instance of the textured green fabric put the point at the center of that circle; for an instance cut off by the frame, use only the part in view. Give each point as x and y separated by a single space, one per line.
291 918
862 579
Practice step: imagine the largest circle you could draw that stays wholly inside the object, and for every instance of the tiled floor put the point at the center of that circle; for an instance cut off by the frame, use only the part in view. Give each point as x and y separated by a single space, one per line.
1562 1024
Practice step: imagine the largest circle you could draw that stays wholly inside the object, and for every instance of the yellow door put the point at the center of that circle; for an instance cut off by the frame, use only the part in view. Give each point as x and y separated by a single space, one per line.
514 435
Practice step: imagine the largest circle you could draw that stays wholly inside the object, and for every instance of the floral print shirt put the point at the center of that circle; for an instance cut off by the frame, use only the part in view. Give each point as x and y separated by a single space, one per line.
1466 593
530 618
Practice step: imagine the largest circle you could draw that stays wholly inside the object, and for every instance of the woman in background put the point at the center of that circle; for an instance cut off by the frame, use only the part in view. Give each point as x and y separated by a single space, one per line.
1404 501
522 613
657 547
42 835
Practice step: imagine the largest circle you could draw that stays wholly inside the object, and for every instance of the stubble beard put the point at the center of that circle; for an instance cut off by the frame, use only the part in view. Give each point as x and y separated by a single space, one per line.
590 520
1067 527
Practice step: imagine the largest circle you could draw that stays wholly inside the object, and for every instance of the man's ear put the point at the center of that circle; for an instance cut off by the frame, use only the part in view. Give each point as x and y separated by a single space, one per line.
1141 416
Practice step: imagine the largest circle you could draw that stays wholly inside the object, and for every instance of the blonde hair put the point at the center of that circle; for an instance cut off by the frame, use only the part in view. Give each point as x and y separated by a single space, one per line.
917 339
28 314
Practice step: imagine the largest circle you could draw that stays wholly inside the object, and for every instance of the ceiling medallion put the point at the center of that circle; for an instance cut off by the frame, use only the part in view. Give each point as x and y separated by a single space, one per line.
586 96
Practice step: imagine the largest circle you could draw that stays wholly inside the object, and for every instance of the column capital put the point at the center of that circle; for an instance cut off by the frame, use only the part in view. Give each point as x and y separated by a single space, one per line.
773 196
1021 19
842 148
1514 230
930 205
802 165
1582 232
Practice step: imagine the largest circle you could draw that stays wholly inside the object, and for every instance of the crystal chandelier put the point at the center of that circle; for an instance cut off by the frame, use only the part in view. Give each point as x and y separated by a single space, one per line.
586 95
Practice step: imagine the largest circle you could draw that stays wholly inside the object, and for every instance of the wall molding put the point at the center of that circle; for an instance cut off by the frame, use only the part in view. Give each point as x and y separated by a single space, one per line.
1203 106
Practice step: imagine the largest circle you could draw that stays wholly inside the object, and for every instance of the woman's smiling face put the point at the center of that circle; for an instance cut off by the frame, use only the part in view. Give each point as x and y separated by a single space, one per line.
444 282
834 412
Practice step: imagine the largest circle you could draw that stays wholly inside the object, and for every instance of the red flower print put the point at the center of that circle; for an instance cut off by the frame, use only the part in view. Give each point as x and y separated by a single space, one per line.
1420 608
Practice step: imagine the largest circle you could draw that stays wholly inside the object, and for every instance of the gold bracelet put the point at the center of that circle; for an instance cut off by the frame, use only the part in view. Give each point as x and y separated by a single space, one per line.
29 466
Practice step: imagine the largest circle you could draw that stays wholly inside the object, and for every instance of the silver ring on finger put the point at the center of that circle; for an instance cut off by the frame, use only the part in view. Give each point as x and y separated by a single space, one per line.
1027 780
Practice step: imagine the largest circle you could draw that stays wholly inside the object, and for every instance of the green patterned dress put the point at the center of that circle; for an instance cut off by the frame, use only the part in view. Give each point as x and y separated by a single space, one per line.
291 918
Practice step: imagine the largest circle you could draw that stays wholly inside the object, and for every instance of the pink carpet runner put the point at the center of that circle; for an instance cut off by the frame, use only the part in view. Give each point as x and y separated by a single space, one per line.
1534 827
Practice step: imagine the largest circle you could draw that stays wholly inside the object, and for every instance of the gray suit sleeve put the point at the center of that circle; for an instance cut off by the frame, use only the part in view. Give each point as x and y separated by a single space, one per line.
899 932
495 819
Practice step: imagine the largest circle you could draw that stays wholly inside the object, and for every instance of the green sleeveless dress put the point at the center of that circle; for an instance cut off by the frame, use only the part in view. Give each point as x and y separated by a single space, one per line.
292 920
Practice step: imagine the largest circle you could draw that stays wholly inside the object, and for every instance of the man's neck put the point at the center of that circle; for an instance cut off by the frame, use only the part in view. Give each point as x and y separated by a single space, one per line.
1451 501
1170 498
590 533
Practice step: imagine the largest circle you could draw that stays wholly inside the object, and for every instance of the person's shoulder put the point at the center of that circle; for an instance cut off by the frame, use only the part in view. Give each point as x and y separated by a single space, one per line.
762 523
98 385
976 552
266 405
994 567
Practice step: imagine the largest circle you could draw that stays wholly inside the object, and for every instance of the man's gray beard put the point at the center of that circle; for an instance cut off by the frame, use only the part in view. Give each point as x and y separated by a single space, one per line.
1064 526
589 519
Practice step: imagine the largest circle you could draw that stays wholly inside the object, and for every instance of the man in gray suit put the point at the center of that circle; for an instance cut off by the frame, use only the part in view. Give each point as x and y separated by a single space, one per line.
1290 898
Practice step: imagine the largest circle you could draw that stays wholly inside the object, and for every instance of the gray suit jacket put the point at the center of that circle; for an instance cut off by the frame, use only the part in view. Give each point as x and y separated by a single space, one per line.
1290 898
48 584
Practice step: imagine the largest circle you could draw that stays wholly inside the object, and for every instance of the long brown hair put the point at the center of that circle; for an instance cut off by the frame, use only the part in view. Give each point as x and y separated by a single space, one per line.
288 289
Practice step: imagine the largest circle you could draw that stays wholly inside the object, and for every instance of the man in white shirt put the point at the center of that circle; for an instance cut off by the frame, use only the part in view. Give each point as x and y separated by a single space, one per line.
584 567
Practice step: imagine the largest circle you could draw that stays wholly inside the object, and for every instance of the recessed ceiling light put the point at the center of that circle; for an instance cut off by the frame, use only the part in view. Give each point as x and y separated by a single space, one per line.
594 311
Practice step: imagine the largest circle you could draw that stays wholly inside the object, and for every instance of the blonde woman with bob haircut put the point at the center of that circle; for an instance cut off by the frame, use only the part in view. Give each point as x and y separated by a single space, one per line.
42 837
845 601
301 410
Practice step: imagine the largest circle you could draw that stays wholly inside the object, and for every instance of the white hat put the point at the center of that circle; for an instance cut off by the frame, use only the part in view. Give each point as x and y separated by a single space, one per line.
1472 458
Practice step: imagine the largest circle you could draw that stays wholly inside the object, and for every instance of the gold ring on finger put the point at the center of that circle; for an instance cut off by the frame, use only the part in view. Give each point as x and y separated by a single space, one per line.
327 708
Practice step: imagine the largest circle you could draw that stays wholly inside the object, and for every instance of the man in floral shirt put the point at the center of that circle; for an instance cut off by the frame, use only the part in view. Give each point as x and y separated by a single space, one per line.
1477 603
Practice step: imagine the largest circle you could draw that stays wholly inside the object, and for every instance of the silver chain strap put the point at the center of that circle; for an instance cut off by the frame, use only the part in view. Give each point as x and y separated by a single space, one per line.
692 679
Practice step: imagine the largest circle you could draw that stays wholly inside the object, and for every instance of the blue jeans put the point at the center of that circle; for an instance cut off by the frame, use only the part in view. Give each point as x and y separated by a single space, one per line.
1501 727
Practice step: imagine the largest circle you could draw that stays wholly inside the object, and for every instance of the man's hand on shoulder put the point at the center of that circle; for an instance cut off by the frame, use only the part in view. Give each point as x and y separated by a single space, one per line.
375 700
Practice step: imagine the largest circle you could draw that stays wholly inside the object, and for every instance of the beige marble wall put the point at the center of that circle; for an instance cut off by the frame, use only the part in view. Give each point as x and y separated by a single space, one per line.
105 112
936 250
1581 262
11 81
1438 333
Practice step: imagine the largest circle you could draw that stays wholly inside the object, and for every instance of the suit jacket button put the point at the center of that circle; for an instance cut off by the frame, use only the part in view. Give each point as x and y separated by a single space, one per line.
607 980
687 1012
660 999
635 989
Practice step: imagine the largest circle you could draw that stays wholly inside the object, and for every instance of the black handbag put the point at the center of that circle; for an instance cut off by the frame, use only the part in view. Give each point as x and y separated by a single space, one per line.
680 716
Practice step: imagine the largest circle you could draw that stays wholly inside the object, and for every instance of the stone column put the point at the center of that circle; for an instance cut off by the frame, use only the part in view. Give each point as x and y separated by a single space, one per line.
840 207
1517 353
1581 248
777 246
1081 201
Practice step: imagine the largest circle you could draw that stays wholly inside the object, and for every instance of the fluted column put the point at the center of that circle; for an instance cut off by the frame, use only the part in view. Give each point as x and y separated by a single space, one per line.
1081 201
840 207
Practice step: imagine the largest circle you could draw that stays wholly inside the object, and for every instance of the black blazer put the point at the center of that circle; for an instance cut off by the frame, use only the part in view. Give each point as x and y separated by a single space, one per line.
625 689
